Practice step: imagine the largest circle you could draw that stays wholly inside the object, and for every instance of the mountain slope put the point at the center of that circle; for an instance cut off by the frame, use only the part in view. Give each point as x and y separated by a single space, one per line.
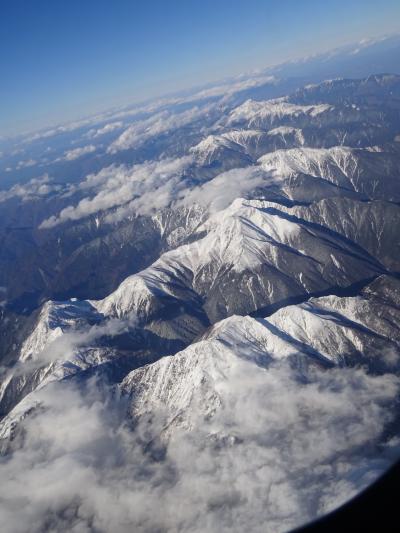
250 257
326 332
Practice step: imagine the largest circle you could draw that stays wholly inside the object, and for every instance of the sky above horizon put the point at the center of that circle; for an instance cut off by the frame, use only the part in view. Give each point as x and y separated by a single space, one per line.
63 60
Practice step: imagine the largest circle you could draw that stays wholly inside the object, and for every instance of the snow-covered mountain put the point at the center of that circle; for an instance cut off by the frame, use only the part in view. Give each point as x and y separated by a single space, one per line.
340 331
267 256
222 283
371 174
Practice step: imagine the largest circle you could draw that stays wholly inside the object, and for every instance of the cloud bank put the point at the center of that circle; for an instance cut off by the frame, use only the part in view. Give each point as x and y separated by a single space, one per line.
76 153
148 187
34 188
66 344
107 128
143 130
282 449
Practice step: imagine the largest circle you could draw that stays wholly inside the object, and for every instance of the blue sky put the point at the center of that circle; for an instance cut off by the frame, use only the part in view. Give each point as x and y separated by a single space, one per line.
61 59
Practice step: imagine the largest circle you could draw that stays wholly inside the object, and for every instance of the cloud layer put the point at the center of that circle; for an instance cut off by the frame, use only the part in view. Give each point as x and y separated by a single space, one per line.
34 188
143 130
148 187
76 153
282 449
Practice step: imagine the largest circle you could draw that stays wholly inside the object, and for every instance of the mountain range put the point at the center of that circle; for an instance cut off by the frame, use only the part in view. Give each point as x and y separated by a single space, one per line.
207 311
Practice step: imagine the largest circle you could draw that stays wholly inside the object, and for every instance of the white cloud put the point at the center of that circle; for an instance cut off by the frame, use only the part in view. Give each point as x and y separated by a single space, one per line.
108 128
219 192
143 187
281 450
143 130
34 188
65 128
66 346
232 86
148 187
71 155
25 164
